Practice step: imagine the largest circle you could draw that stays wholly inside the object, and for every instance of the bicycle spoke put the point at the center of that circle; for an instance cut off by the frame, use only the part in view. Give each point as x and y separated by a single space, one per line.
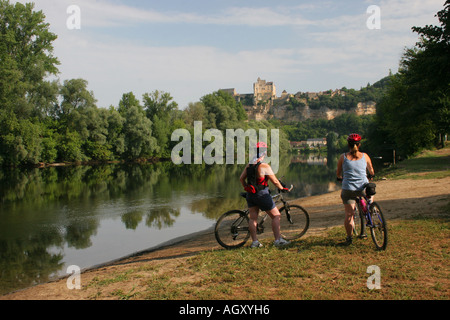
232 230
294 222
378 229
358 221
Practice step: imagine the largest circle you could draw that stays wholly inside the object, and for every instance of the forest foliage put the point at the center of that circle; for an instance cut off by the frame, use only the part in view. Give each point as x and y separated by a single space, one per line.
415 112
47 121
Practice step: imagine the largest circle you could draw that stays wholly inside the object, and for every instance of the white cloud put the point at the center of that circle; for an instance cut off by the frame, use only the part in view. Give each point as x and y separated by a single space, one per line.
266 17
116 68
106 14
332 52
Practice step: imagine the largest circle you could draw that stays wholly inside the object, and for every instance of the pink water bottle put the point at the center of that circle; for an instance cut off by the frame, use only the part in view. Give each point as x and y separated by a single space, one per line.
363 205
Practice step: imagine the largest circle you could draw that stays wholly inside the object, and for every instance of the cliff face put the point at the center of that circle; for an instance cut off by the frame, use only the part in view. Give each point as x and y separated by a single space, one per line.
302 113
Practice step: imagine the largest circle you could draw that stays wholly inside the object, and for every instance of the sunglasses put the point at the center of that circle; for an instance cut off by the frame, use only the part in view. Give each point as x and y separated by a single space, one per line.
351 144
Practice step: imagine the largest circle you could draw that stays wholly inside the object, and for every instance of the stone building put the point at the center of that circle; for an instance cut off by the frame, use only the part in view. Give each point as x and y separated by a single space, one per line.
264 90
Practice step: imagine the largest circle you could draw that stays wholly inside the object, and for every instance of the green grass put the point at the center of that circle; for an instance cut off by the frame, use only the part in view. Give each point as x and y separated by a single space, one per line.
431 164
414 266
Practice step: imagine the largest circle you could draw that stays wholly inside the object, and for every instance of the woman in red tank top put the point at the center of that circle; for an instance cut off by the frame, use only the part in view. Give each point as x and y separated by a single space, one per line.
261 200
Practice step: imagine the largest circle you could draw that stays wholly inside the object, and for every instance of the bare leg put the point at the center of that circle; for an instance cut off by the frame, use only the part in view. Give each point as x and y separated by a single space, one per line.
349 223
254 211
276 218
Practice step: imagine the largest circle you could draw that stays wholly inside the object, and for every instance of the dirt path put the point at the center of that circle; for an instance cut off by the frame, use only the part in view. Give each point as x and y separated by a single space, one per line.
399 199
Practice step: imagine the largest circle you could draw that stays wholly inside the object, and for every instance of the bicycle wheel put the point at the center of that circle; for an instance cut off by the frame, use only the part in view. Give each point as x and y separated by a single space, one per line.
232 230
378 229
294 222
358 221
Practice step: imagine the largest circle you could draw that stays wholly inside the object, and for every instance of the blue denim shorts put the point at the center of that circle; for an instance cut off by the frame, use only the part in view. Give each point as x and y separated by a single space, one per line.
262 199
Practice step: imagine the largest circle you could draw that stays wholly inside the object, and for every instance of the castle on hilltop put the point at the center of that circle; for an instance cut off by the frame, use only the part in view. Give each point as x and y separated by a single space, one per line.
262 91
263 104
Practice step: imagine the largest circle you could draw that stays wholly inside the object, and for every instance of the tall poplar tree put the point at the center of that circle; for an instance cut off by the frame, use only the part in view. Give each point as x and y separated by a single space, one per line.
26 60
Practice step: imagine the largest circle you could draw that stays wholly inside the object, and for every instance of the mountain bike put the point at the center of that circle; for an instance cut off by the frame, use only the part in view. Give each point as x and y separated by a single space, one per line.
369 214
232 230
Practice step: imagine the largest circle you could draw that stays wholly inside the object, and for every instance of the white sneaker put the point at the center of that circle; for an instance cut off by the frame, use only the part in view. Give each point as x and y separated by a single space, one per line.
281 242
256 244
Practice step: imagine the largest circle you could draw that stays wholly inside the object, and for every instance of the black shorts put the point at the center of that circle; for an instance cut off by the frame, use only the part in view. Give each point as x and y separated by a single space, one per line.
262 199
349 196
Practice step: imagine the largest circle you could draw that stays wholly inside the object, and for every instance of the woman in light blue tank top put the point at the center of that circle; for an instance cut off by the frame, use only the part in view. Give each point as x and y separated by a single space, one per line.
354 173
352 168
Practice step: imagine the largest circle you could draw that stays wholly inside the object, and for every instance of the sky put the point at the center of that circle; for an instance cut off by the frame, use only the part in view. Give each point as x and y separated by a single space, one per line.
190 48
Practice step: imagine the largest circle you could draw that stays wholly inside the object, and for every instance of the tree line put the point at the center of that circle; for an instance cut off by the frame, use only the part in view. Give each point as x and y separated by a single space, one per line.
348 99
414 114
49 121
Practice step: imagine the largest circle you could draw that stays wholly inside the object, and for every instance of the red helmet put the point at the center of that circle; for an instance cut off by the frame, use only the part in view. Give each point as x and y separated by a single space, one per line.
354 137
260 145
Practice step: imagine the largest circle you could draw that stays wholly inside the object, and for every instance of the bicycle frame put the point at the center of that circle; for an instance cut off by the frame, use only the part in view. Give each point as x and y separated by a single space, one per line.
367 216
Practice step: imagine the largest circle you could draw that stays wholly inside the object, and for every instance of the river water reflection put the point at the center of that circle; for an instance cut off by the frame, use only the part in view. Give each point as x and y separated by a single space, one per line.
56 217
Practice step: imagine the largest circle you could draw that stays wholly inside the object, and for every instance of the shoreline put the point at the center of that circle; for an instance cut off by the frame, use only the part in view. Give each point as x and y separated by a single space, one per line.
121 260
165 245
398 199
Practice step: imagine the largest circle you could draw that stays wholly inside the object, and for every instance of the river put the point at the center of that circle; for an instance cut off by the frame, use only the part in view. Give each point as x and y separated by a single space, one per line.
56 217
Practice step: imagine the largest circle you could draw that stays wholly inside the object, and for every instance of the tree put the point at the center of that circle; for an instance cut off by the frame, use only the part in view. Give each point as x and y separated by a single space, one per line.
78 113
116 138
26 60
222 110
26 57
75 97
196 112
20 140
415 111
161 109
159 104
138 134
128 100
70 146
429 67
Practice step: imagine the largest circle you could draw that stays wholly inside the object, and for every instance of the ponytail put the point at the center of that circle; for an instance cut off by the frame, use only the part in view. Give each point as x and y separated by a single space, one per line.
354 150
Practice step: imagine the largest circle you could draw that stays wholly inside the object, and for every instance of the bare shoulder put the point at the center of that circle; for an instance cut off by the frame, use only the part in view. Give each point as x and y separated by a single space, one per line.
265 169
366 156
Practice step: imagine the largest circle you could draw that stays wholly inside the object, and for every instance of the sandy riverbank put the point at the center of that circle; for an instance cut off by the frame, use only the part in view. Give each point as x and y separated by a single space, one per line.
399 199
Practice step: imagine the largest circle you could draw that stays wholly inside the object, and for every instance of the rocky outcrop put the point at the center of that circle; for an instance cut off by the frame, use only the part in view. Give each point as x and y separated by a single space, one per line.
286 112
